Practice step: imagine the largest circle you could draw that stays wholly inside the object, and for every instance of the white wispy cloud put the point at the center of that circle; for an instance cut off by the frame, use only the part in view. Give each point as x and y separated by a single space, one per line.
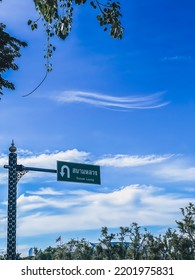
48 160
45 191
121 160
24 152
176 173
146 205
3 223
34 202
168 167
176 58
3 159
110 101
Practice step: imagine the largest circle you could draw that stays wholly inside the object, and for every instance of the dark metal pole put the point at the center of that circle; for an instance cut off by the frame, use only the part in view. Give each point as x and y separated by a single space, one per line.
12 196
27 168
15 173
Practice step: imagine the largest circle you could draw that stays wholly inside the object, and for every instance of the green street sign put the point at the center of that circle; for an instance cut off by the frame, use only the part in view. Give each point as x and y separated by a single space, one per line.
78 172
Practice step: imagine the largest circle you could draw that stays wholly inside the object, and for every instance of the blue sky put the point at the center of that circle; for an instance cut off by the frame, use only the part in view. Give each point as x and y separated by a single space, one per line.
128 106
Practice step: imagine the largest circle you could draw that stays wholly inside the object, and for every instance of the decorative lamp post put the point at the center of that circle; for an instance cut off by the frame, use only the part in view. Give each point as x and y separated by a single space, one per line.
12 196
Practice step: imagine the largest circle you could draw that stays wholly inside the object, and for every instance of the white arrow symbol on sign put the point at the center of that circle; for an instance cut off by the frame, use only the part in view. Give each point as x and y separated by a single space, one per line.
67 171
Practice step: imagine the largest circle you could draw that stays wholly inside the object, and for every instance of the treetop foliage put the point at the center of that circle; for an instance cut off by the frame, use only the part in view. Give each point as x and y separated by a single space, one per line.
9 51
57 17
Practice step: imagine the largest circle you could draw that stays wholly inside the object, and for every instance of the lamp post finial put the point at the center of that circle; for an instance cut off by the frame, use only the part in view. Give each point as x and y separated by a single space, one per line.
12 149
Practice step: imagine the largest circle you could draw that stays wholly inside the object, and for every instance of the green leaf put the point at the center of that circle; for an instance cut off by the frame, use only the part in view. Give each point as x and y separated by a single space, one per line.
79 2
93 5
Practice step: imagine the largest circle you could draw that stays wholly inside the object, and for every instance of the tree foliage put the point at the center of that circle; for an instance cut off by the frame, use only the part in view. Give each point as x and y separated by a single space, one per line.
9 51
57 18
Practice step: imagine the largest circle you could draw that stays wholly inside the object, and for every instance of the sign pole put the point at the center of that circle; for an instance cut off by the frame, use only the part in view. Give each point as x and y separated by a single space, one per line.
66 171
12 196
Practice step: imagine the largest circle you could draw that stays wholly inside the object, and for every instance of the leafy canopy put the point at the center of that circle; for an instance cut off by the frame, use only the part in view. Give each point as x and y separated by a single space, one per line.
9 51
57 17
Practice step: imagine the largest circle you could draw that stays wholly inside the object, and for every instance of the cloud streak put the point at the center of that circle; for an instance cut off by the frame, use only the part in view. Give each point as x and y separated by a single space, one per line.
121 160
176 173
48 159
176 58
166 167
45 191
86 210
112 102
